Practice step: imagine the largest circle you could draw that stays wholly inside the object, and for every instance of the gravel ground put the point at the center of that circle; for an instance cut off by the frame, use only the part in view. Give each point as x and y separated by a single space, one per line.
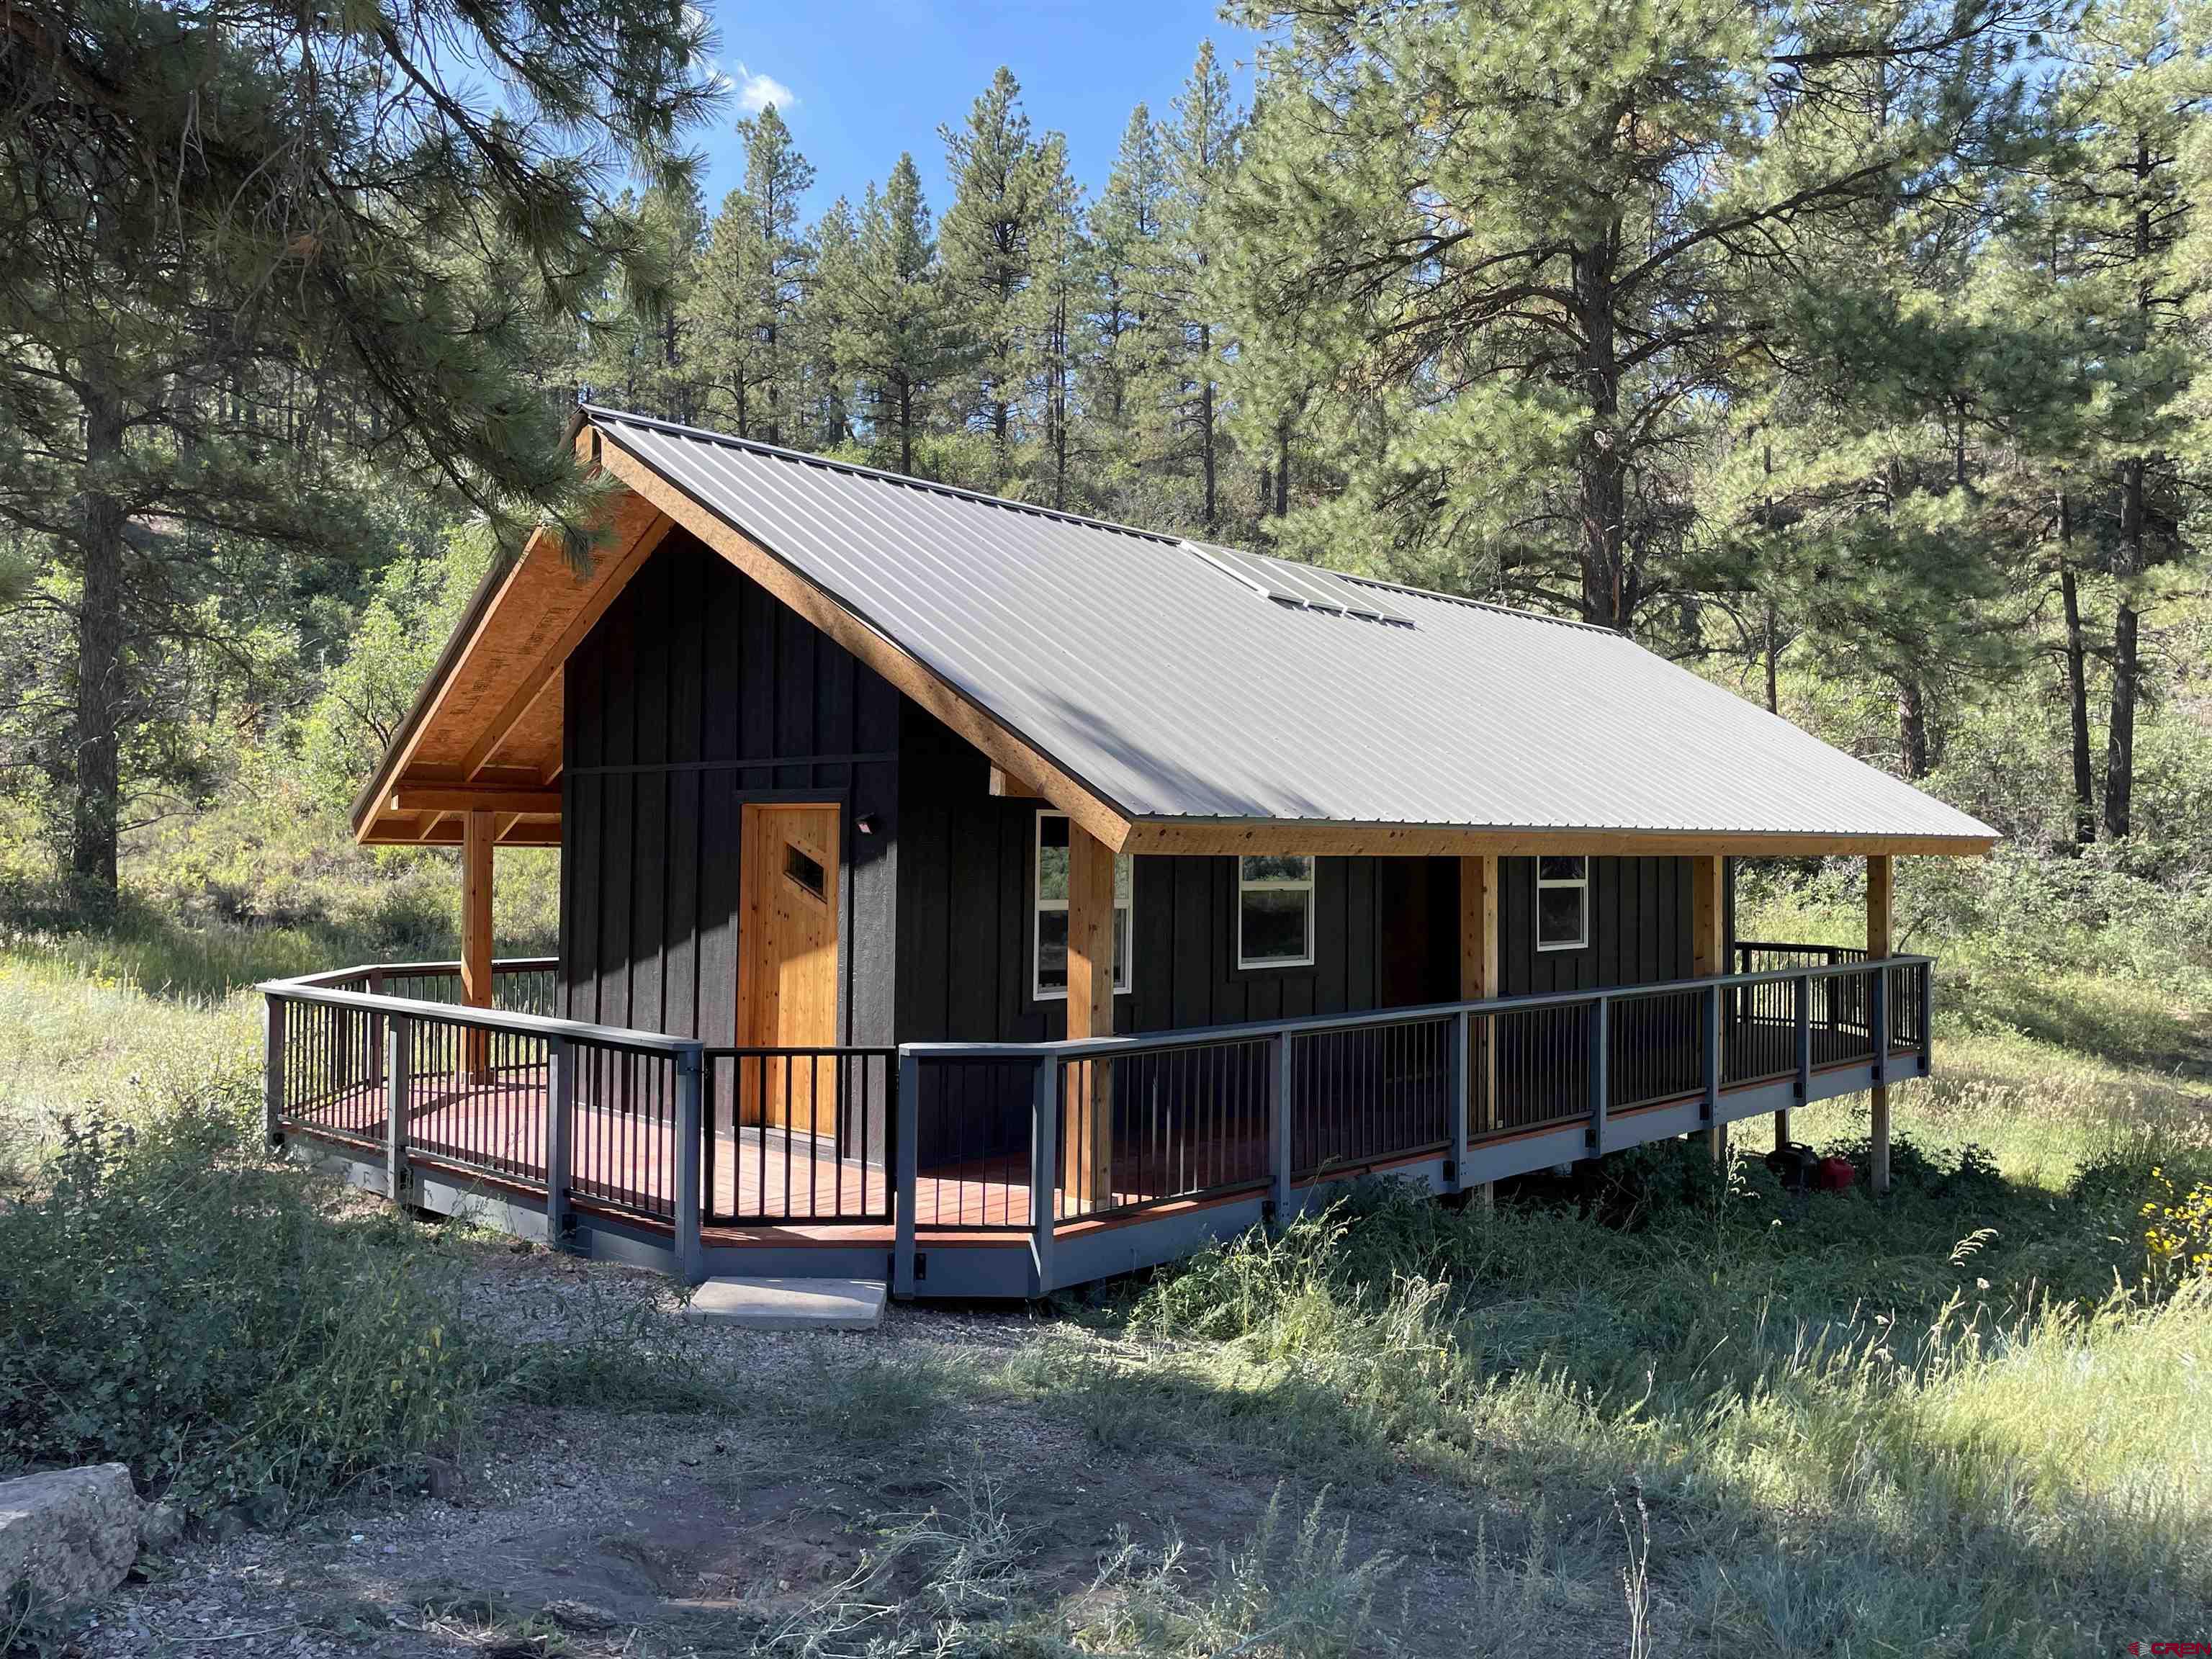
717 1530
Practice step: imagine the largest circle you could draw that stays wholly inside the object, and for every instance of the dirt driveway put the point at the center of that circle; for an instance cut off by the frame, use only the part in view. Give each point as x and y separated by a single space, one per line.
895 1491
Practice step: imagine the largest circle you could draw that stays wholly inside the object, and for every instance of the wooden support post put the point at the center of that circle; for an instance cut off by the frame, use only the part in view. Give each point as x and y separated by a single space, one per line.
1708 953
1089 1155
476 842
1459 1089
560 1093
1045 1160
1279 1128
1600 1053
905 1118
690 1067
399 1088
1878 948
1479 982
273 1070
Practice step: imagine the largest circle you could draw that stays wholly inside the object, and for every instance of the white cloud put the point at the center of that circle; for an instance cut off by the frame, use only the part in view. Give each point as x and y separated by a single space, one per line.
757 91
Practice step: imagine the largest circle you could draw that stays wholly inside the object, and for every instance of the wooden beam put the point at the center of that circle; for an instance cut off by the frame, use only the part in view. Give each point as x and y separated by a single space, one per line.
1479 978
1879 904
1007 786
1708 955
999 744
543 674
476 843
1087 1158
1220 837
475 797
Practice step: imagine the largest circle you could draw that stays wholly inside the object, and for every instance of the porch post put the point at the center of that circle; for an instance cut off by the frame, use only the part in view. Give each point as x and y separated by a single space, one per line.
398 1088
1878 947
906 1115
476 934
272 1071
1708 947
1088 1156
1477 982
559 1089
689 1258
1045 1160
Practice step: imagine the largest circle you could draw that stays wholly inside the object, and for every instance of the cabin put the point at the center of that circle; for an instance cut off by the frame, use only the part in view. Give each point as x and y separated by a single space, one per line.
992 899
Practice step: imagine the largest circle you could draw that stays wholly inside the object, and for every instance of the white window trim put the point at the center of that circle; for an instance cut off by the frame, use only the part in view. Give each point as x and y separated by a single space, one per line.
1040 992
1278 884
1581 882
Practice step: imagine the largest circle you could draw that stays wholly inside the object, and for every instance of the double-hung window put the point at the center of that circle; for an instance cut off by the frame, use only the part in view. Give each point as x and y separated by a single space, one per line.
1274 912
1048 929
1562 903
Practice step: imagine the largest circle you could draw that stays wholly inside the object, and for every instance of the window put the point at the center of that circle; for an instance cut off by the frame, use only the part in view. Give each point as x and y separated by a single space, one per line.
1562 903
1049 935
1274 912
808 873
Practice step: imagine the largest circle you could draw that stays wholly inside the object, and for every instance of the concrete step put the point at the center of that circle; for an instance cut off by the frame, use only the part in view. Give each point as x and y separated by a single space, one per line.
789 1305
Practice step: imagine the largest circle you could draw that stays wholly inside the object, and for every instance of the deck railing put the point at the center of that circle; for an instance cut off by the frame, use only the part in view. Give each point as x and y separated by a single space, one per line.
934 1139
1118 1127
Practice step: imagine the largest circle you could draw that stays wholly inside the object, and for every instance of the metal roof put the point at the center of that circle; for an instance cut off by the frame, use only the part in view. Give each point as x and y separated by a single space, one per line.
1125 658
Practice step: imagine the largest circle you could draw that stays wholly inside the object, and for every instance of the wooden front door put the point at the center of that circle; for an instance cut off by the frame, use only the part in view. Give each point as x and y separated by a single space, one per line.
788 963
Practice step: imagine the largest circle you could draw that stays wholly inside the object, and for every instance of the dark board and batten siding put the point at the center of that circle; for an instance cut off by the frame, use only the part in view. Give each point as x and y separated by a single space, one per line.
965 898
695 692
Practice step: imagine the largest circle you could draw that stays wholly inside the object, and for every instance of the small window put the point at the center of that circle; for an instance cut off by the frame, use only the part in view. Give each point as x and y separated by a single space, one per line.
1562 903
1049 935
806 872
1274 912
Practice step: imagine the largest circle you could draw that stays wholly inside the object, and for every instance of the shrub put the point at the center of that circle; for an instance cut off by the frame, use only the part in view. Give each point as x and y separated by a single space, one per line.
179 1302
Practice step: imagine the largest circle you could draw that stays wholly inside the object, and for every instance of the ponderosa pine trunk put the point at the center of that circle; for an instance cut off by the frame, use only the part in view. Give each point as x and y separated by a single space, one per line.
1601 472
1912 730
1206 415
94 751
2120 730
2077 682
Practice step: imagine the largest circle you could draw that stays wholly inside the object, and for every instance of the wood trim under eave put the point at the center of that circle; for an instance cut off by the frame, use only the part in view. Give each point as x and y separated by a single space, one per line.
1216 838
546 671
822 609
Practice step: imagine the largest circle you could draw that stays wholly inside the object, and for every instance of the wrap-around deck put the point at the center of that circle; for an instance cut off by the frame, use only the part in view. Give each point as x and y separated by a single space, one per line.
1013 1169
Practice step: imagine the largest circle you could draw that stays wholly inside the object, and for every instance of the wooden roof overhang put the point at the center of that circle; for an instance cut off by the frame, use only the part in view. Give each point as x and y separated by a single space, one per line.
486 732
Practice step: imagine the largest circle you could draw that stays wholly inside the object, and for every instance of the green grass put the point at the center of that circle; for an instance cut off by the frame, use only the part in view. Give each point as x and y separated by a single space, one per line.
1967 1417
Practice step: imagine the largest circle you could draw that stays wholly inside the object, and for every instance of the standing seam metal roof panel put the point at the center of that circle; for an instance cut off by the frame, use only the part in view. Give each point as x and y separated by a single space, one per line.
1175 693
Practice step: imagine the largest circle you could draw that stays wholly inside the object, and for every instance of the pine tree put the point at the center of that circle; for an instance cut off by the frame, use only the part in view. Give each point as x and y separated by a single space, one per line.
1526 241
2118 210
985 245
242 231
1126 226
825 312
893 343
751 282
1200 148
645 340
1053 305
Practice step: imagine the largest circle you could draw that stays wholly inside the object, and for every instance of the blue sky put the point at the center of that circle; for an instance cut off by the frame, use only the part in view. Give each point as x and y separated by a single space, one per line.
869 78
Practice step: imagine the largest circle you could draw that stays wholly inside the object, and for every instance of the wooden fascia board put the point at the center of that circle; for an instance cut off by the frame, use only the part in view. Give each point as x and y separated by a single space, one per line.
542 674
1220 838
482 609
998 742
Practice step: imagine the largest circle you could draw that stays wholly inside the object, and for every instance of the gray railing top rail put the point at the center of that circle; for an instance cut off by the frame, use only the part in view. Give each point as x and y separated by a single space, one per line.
489 1019
1191 1036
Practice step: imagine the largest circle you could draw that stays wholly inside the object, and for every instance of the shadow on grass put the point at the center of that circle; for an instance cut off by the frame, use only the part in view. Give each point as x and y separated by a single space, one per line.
1815 1478
2126 1023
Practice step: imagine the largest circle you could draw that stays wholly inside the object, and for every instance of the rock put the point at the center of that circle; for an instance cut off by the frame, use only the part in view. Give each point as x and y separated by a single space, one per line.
580 1617
160 1529
444 1480
70 1534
